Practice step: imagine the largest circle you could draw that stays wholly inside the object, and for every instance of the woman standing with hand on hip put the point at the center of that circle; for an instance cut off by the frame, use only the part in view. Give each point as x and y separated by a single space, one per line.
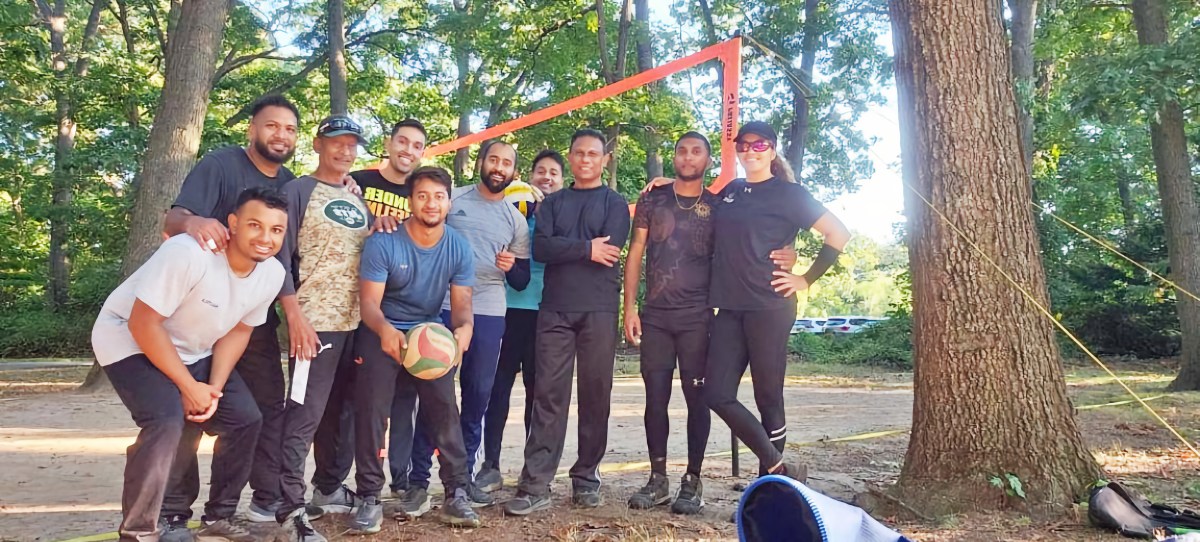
756 300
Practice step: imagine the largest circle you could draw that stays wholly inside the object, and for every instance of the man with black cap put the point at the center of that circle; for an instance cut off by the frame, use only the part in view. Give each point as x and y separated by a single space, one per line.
326 230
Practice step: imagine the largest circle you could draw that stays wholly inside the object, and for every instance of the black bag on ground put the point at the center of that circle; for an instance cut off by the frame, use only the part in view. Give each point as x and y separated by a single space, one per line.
1114 506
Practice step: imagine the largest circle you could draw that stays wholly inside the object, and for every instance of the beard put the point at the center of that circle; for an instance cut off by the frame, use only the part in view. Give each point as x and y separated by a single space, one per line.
494 186
265 151
427 223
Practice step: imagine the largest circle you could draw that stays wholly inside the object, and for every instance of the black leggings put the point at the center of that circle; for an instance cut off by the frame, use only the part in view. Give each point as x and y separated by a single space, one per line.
758 338
667 336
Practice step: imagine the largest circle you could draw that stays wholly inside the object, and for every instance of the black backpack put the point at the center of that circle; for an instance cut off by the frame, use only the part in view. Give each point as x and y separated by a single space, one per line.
1114 506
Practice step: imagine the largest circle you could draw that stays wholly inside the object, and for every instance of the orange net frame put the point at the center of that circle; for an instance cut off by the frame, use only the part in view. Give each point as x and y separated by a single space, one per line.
729 53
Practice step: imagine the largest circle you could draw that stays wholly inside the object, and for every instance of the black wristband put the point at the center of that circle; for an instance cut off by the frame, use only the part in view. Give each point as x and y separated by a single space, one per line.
825 259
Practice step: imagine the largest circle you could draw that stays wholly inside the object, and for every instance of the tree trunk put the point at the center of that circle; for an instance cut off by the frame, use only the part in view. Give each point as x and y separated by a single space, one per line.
1127 210
989 393
132 114
1181 218
175 136
338 100
62 180
1024 21
645 61
462 57
809 43
614 74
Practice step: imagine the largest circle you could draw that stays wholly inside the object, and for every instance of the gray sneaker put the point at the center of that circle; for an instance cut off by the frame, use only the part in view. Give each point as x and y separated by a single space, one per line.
415 501
524 504
657 491
175 529
690 498
588 498
458 510
260 514
489 479
298 529
368 519
341 501
227 529
477 497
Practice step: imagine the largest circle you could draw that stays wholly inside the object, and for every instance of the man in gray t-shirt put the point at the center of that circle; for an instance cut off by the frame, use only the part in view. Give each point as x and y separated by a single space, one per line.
499 238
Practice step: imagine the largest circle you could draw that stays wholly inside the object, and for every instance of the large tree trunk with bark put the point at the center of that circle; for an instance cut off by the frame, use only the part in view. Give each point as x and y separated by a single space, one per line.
645 61
989 393
1024 21
462 156
1181 218
338 98
175 136
797 136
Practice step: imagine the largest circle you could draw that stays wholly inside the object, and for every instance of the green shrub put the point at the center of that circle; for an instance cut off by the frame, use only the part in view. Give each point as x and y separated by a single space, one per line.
888 343
33 332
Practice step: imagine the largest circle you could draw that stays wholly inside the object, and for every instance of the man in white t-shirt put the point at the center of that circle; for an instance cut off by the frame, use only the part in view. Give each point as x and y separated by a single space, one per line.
168 339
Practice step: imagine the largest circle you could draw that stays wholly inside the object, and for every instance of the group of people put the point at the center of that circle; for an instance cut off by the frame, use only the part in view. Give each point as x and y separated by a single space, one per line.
355 259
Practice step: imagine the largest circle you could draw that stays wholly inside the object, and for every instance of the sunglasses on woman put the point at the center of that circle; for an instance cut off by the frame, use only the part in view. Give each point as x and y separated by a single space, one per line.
761 145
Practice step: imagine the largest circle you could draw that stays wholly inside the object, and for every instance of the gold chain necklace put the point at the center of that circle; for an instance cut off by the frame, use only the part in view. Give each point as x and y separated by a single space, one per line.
680 205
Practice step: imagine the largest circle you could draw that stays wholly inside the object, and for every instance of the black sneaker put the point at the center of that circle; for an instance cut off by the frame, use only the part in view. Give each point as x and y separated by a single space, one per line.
415 502
657 491
477 497
489 479
225 528
298 529
175 529
524 504
690 498
368 519
458 510
588 497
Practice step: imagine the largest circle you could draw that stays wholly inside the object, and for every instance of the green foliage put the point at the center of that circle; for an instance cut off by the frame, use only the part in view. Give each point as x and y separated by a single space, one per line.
1010 483
886 344
35 332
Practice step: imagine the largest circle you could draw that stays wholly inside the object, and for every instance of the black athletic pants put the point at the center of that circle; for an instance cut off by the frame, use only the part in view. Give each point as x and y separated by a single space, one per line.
759 339
667 336
563 338
261 368
377 381
300 421
157 409
333 445
516 356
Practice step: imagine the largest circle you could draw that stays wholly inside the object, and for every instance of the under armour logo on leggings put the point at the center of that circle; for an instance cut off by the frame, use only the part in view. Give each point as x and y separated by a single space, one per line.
698 382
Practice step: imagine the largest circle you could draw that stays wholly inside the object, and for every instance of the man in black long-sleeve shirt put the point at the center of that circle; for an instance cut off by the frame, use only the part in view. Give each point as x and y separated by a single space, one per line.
578 235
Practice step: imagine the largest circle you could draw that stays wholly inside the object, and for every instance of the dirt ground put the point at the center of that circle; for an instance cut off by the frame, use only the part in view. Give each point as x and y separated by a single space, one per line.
62 455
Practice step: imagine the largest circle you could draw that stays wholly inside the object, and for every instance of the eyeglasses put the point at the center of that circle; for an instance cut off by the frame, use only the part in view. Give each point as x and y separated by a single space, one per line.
761 145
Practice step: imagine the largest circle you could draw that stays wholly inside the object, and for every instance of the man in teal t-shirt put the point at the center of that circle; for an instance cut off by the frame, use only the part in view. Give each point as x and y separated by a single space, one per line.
520 335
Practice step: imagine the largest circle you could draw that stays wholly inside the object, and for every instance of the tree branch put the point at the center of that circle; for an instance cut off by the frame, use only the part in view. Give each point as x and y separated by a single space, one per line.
230 64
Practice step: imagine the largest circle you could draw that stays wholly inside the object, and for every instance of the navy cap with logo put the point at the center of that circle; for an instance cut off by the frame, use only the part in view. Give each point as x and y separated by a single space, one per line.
336 125
758 128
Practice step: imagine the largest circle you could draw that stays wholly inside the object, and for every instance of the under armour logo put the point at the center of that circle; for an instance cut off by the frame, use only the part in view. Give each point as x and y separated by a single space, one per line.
698 382
747 189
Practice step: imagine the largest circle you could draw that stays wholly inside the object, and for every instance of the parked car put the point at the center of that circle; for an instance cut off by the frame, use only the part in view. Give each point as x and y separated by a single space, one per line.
851 324
808 325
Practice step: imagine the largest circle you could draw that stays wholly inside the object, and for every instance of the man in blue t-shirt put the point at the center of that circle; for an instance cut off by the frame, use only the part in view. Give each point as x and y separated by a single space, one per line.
404 277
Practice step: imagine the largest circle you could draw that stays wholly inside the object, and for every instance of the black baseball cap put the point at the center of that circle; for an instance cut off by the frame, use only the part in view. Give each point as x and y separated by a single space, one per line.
336 125
758 128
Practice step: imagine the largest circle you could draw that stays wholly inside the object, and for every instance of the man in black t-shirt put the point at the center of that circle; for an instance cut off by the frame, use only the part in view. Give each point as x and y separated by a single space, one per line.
208 195
386 191
673 227
578 234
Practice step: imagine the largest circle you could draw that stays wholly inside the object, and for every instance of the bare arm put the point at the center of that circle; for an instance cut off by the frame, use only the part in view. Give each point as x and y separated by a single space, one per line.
633 277
208 232
226 353
146 327
461 315
371 299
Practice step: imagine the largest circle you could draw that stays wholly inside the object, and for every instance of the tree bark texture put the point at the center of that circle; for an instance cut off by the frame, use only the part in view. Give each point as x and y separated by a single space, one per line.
809 43
990 395
1024 22
338 98
1181 218
645 61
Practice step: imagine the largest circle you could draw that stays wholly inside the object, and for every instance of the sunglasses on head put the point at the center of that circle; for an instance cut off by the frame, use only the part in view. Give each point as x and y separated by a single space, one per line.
761 145
340 124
